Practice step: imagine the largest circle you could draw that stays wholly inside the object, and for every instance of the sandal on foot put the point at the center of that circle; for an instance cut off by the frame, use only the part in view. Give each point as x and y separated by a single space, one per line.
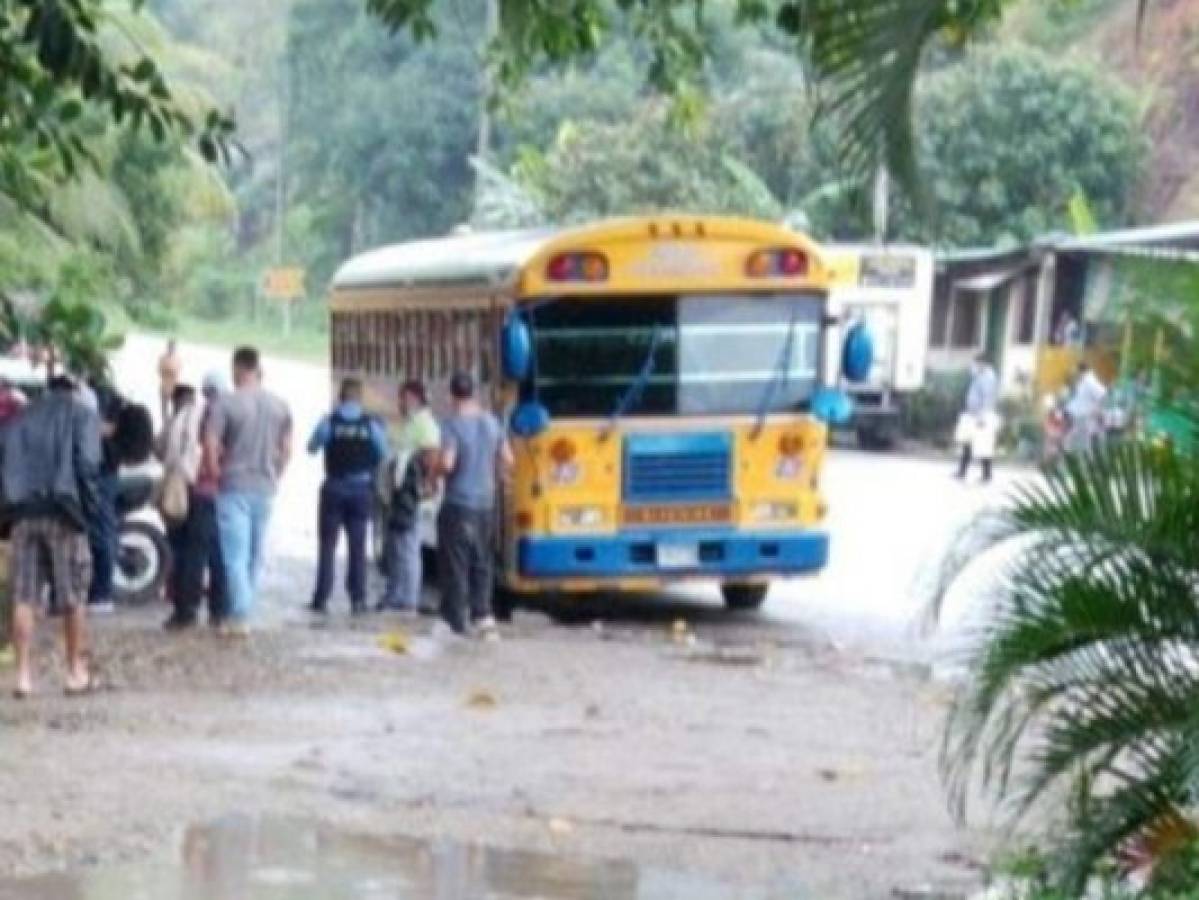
88 687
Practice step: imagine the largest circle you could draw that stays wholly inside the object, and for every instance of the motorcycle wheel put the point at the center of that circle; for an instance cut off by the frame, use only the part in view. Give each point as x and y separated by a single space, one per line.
143 560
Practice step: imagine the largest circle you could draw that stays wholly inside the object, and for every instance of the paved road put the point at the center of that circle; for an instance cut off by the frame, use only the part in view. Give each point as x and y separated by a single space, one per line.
891 517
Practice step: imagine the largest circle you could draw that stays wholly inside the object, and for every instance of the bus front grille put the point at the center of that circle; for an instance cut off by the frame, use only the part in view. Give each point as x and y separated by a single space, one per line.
666 468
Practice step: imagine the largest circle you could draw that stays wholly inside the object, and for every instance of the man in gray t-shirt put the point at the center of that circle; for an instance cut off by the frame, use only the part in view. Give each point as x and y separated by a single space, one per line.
247 442
473 453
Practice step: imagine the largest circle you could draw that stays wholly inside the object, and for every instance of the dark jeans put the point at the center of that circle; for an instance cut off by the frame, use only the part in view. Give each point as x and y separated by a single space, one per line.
465 562
102 538
198 553
343 505
964 464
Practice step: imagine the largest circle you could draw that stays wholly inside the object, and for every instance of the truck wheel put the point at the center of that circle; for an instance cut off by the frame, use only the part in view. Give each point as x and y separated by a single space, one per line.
874 437
744 596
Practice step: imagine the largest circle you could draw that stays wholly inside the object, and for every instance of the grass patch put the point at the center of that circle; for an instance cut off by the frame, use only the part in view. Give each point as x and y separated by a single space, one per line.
304 344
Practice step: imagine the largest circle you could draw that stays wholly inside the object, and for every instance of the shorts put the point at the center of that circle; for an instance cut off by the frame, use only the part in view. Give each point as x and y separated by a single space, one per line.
49 553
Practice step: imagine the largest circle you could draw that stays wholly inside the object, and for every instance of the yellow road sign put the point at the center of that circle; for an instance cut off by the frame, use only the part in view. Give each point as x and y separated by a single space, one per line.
283 283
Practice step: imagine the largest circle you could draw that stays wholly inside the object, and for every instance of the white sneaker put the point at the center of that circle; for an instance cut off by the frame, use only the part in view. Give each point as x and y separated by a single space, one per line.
488 630
101 608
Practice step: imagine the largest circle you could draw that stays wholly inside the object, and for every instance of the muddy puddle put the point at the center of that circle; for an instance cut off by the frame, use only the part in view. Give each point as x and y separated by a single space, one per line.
249 858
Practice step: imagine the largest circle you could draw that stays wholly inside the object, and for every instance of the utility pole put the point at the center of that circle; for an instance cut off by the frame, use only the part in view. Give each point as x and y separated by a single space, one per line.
882 199
487 79
281 171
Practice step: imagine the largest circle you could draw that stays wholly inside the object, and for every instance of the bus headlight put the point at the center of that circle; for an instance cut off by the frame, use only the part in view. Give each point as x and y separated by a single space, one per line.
788 467
565 474
580 516
773 511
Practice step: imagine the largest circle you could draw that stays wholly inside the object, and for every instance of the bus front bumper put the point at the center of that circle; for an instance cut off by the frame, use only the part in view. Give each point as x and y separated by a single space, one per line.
662 554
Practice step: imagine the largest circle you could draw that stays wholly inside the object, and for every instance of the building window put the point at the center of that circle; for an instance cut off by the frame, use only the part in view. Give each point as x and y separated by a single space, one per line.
967 308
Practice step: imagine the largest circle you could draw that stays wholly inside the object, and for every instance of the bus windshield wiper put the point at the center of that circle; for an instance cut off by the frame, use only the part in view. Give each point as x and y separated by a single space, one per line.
637 387
780 375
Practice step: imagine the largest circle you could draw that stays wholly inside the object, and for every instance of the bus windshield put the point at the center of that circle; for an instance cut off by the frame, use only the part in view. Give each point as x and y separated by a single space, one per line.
711 354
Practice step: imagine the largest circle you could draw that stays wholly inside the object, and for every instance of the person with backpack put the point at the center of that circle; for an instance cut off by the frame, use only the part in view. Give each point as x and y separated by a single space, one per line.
354 443
409 479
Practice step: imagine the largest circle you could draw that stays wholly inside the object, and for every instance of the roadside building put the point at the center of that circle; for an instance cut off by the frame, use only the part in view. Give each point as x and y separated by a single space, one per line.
1037 311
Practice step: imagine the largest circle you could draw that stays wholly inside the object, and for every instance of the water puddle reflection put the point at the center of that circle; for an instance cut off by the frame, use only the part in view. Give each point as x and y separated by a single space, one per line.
248 858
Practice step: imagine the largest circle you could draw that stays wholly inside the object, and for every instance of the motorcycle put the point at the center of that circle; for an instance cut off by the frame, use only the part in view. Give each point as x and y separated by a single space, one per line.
143 558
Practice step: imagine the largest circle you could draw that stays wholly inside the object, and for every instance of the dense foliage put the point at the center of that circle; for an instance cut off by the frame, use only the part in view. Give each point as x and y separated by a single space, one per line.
355 136
1011 136
64 66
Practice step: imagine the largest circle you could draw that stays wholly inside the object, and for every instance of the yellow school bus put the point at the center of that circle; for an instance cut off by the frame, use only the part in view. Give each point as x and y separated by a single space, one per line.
661 380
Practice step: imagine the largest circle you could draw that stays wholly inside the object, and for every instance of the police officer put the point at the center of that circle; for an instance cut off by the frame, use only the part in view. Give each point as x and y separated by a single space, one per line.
354 444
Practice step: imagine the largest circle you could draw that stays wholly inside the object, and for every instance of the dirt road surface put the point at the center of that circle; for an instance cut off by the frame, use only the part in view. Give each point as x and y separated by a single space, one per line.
795 747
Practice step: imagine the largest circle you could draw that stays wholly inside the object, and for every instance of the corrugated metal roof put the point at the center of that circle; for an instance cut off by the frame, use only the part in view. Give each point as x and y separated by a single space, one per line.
963 255
1183 235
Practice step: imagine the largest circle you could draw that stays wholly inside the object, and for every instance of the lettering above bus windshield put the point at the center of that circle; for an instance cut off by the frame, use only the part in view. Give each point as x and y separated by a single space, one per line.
694 355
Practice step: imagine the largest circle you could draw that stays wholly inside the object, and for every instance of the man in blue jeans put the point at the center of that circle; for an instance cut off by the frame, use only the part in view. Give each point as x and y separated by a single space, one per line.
247 443
354 445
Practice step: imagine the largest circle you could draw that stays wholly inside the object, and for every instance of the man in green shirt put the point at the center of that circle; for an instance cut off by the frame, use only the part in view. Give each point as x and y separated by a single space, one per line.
417 442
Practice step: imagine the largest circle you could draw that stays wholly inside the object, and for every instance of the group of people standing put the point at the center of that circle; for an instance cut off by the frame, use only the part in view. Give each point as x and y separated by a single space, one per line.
61 456
225 452
224 449
1076 423
367 471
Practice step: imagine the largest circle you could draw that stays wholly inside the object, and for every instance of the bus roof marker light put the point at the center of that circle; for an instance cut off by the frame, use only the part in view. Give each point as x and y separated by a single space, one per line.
586 267
561 268
792 262
759 265
779 262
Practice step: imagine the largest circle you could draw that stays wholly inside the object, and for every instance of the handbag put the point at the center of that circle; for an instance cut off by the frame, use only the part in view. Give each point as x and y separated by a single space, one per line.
172 495
964 432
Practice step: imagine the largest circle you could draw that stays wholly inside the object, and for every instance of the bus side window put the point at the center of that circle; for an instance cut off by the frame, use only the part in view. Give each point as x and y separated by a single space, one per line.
393 344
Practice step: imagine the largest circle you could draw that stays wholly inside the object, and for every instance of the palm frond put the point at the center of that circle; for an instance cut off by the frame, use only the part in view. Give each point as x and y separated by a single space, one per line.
1083 676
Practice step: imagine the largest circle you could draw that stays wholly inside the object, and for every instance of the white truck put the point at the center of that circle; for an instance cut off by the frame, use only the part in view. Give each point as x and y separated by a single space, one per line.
889 287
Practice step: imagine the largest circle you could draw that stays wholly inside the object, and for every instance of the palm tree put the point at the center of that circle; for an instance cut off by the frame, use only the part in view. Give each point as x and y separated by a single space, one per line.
1081 694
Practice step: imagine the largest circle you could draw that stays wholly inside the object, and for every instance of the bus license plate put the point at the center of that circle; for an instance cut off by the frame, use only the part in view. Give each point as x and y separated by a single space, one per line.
703 514
678 556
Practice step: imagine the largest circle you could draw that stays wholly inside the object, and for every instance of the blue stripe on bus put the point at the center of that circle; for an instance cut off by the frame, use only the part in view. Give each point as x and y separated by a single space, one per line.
718 552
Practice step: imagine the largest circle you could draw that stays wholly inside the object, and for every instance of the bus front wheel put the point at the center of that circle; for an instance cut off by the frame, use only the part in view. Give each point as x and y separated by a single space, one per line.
744 596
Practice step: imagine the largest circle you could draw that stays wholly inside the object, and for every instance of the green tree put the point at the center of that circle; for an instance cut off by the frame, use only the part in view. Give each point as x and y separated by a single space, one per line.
644 164
864 55
1010 136
382 156
63 63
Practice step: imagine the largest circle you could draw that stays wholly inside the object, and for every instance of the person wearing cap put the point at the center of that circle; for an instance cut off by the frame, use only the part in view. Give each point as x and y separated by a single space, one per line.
474 454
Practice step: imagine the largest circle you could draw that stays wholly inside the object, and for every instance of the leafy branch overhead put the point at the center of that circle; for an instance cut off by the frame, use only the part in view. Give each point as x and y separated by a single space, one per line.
862 56
59 75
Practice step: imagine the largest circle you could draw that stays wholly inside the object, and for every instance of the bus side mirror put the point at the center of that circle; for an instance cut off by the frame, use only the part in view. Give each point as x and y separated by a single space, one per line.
832 407
516 348
529 419
857 356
